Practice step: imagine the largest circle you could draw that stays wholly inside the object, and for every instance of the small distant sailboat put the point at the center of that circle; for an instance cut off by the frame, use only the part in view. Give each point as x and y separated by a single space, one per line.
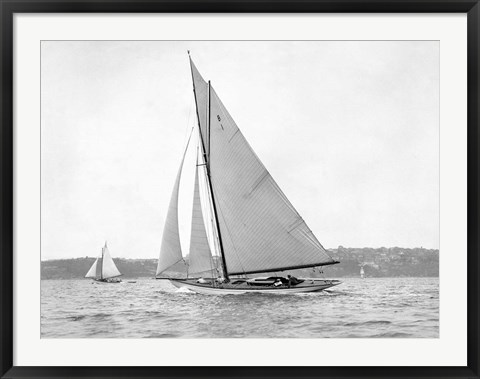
251 225
104 268
362 272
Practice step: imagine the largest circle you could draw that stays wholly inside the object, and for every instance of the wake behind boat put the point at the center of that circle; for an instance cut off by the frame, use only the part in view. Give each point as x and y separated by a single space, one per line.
252 226
104 269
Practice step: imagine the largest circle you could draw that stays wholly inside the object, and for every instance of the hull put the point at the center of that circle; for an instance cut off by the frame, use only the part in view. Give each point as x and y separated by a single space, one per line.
310 285
108 281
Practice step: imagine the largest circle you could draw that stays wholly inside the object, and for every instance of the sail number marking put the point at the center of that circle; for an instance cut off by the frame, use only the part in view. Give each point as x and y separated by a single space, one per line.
219 119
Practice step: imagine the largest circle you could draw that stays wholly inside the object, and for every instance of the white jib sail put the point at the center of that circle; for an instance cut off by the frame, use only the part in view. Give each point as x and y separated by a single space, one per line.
171 250
200 258
92 273
109 270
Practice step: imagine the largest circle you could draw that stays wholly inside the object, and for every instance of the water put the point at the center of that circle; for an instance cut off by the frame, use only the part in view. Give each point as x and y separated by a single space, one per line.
373 307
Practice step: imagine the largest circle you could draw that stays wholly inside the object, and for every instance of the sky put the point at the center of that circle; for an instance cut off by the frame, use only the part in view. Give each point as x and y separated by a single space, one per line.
348 129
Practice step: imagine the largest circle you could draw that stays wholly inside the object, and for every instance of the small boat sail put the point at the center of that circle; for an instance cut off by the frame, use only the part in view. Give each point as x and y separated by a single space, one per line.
243 224
104 268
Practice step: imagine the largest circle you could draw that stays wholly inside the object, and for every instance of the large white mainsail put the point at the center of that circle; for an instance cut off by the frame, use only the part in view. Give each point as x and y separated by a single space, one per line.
109 269
261 230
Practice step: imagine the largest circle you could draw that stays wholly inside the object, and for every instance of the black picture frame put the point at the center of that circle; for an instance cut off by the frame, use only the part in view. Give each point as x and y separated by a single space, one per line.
9 8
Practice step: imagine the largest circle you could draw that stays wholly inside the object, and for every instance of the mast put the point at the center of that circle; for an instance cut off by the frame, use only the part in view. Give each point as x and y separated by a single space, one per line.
101 268
207 166
224 263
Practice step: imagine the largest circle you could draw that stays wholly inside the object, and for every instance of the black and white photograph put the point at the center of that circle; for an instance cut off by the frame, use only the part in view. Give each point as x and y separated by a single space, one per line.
240 189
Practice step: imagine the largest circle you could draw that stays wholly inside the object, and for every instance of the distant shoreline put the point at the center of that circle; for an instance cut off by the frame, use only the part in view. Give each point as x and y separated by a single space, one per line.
377 263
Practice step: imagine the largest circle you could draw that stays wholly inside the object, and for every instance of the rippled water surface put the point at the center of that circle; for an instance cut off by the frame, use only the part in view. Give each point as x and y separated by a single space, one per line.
373 307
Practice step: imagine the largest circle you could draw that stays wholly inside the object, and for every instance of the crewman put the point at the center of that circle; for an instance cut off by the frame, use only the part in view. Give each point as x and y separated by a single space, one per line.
292 281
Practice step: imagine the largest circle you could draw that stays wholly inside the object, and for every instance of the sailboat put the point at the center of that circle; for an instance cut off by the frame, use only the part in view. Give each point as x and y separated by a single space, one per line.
252 226
104 269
